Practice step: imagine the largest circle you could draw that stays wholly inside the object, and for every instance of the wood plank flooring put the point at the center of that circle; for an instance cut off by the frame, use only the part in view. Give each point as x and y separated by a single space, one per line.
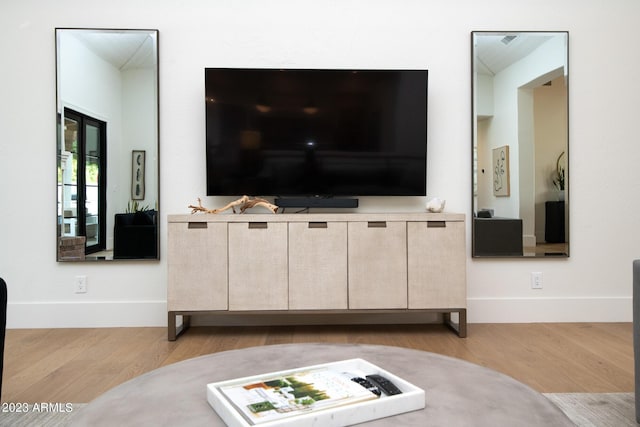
77 365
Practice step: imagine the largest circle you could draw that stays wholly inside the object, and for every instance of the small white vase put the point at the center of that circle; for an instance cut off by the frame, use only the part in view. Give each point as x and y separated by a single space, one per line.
435 205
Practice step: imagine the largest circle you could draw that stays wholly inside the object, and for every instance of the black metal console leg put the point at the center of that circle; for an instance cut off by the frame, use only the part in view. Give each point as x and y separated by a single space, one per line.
462 323
174 332
461 327
171 326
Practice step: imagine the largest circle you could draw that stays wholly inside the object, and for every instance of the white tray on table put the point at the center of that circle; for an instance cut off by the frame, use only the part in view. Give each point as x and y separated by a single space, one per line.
268 399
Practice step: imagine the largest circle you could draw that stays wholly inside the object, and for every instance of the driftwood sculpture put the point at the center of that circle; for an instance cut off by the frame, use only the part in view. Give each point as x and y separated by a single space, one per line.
244 203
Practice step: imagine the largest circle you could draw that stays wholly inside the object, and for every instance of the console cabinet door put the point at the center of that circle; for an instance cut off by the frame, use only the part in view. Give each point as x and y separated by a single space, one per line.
197 266
317 265
437 264
258 276
377 265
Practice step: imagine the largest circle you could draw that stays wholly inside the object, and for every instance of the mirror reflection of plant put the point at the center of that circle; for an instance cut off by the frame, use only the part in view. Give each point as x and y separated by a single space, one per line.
133 206
558 175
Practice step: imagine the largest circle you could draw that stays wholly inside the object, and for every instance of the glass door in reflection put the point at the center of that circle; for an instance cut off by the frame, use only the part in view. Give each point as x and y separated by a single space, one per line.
83 170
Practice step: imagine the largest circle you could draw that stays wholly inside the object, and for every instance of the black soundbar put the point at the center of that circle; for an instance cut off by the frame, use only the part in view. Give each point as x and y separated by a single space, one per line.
316 202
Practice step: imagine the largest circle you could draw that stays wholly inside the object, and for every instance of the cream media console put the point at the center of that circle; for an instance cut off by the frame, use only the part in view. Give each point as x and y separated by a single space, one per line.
320 264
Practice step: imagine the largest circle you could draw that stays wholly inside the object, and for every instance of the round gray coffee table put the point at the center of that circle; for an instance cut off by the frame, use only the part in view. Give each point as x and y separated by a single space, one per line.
458 393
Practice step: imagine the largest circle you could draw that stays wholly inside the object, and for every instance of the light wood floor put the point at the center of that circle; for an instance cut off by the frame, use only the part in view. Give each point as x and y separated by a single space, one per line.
77 365
546 248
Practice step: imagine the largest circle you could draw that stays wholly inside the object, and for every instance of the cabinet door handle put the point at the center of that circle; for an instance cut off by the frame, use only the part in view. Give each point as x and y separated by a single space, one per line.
258 225
436 224
318 225
197 225
377 224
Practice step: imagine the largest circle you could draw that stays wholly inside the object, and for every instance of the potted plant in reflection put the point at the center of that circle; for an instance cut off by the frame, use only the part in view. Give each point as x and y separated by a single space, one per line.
134 206
558 177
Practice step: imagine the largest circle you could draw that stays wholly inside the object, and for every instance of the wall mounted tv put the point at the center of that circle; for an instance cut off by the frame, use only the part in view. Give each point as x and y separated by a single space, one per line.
316 133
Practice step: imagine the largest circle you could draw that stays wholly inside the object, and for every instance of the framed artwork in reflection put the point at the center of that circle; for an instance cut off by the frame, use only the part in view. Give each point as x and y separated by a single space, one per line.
137 174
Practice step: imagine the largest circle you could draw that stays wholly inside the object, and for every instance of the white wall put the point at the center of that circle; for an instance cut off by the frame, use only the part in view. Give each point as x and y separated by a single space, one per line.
593 285
139 133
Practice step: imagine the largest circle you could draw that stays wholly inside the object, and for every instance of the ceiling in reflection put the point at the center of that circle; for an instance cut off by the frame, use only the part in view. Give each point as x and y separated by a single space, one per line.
494 53
123 50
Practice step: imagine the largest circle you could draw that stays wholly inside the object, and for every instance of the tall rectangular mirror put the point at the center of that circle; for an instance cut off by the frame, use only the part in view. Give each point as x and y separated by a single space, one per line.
520 148
107 144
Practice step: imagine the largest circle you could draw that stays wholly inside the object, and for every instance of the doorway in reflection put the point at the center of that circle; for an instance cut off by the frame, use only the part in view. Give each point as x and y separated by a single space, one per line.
81 181
541 129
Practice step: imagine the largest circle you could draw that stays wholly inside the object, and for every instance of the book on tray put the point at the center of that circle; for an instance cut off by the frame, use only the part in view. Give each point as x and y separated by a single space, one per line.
337 393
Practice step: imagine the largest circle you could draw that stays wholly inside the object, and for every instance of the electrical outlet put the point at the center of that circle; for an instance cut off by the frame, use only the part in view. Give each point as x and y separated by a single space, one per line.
536 280
81 284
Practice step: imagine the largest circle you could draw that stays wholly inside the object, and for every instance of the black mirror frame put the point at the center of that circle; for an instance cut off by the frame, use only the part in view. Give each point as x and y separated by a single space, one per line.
156 255
505 249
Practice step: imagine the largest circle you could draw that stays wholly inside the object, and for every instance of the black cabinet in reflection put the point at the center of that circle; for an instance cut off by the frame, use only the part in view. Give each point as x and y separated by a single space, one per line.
498 237
554 222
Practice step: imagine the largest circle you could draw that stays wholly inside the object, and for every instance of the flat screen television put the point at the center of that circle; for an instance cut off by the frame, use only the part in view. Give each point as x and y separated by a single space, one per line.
316 133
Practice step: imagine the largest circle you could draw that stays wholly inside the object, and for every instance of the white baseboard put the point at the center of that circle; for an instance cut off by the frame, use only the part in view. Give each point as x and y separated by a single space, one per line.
86 314
154 313
551 309
529 240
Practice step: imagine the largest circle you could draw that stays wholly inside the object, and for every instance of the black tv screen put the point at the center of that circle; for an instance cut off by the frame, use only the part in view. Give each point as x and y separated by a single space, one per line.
273 132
